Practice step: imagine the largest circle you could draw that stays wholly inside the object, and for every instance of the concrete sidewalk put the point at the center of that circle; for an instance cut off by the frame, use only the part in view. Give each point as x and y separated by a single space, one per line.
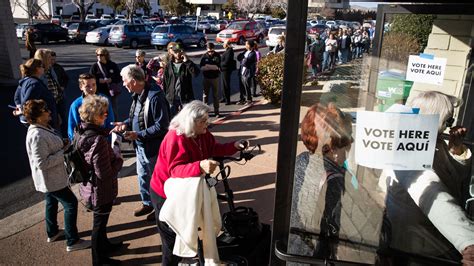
23 236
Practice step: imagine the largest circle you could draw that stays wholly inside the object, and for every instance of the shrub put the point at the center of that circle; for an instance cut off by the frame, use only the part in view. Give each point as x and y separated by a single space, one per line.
270 76
416 25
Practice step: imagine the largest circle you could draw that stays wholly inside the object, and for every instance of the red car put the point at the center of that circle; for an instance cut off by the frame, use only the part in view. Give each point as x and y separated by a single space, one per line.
241 31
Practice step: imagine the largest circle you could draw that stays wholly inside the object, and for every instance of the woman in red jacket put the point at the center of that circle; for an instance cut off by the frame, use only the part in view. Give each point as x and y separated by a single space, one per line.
105 162
185 152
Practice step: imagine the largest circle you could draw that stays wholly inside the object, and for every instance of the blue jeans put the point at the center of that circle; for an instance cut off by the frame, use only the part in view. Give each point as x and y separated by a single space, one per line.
344 55
145 168
69 202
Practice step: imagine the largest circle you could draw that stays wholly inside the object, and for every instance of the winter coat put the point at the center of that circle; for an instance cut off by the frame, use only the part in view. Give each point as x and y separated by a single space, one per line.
32 88
111 71
228 62
46 156
154 118
187 71
99 156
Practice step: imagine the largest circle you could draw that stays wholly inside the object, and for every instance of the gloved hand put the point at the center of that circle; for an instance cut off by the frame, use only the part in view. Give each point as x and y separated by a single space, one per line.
241 144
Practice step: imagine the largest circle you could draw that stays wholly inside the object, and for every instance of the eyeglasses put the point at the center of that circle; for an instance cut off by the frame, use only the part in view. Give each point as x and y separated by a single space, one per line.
100 54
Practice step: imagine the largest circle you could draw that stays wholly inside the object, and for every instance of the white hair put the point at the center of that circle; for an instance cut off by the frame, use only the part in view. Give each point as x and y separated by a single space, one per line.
185 121
434 102
133 72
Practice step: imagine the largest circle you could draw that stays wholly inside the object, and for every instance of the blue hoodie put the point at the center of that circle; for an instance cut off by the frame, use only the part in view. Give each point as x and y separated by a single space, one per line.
32 88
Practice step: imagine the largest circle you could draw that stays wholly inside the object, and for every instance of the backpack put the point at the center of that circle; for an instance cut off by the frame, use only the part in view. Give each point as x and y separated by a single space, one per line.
76 167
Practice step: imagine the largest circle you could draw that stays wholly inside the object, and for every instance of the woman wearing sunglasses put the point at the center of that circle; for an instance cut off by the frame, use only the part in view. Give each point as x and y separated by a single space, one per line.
107 77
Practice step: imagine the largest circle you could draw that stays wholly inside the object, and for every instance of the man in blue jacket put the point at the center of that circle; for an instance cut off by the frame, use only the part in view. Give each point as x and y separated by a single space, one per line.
146 126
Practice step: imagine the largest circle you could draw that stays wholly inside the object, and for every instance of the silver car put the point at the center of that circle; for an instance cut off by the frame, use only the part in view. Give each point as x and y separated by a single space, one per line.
99 35
273 33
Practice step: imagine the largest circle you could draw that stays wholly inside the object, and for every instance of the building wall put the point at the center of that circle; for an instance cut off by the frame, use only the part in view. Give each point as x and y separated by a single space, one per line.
452 38
50 7
10 53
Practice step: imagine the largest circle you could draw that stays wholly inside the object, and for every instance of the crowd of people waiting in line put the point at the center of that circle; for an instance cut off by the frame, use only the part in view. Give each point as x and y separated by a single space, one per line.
328 49
167 126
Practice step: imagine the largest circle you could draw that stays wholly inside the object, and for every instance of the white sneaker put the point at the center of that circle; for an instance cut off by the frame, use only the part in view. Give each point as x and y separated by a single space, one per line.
55 237
80 244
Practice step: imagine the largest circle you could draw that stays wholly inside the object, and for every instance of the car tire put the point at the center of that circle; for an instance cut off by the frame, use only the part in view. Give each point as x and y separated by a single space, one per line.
241 40
44 40
106 42
270 48
134 44
260 38
201 43
158 47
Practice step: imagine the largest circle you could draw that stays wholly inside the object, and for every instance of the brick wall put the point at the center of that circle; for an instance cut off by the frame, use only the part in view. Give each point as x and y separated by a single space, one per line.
451 38
10 52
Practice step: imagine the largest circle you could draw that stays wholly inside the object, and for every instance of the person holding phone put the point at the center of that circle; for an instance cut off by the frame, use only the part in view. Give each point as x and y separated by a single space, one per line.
178 79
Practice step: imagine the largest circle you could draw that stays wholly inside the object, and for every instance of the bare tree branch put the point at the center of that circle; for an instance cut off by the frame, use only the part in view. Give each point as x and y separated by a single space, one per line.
252 6
83 5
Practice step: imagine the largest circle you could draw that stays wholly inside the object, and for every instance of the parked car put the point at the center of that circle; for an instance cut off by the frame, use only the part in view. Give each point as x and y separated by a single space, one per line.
106 16
332 24
75 18
313 22
21 30
145 17
46 32
99 35
120 16
273 33
67 24
182 34
217 26
204 26
320 28
241 31
56 19
126 21
77 31
131 35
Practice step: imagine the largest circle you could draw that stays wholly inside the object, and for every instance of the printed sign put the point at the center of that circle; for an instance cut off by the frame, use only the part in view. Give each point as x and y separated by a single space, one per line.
395 141
426 70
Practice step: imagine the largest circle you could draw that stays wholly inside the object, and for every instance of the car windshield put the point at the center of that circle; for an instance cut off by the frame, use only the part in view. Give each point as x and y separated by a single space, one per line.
161 30
74 26
236 26
277 31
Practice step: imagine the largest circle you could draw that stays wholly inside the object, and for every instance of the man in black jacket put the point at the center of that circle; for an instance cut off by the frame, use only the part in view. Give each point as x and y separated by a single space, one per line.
178 79
228 65
211 70
147 124
248 62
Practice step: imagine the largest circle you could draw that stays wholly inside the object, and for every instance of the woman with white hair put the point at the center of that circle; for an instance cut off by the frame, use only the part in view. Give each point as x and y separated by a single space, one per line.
425 212
185 152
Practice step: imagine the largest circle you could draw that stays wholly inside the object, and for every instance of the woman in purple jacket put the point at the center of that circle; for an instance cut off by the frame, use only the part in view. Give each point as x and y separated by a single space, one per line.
105 162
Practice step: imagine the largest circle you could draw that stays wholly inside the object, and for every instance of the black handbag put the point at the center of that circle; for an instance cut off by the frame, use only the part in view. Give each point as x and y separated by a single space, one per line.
243 222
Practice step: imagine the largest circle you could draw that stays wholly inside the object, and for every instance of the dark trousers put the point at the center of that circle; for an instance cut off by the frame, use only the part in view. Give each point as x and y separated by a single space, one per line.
63 115
32 53
100 242
69 202
167 235
226 84
248 84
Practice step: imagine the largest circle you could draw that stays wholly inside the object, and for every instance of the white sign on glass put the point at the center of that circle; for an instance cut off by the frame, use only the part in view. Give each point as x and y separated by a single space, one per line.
426 69
395 141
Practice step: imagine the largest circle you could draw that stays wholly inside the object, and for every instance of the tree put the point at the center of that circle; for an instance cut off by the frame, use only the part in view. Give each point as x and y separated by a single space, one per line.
31 7
175 7
84 6
417 25
252 6
116 5
230 6
278 12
